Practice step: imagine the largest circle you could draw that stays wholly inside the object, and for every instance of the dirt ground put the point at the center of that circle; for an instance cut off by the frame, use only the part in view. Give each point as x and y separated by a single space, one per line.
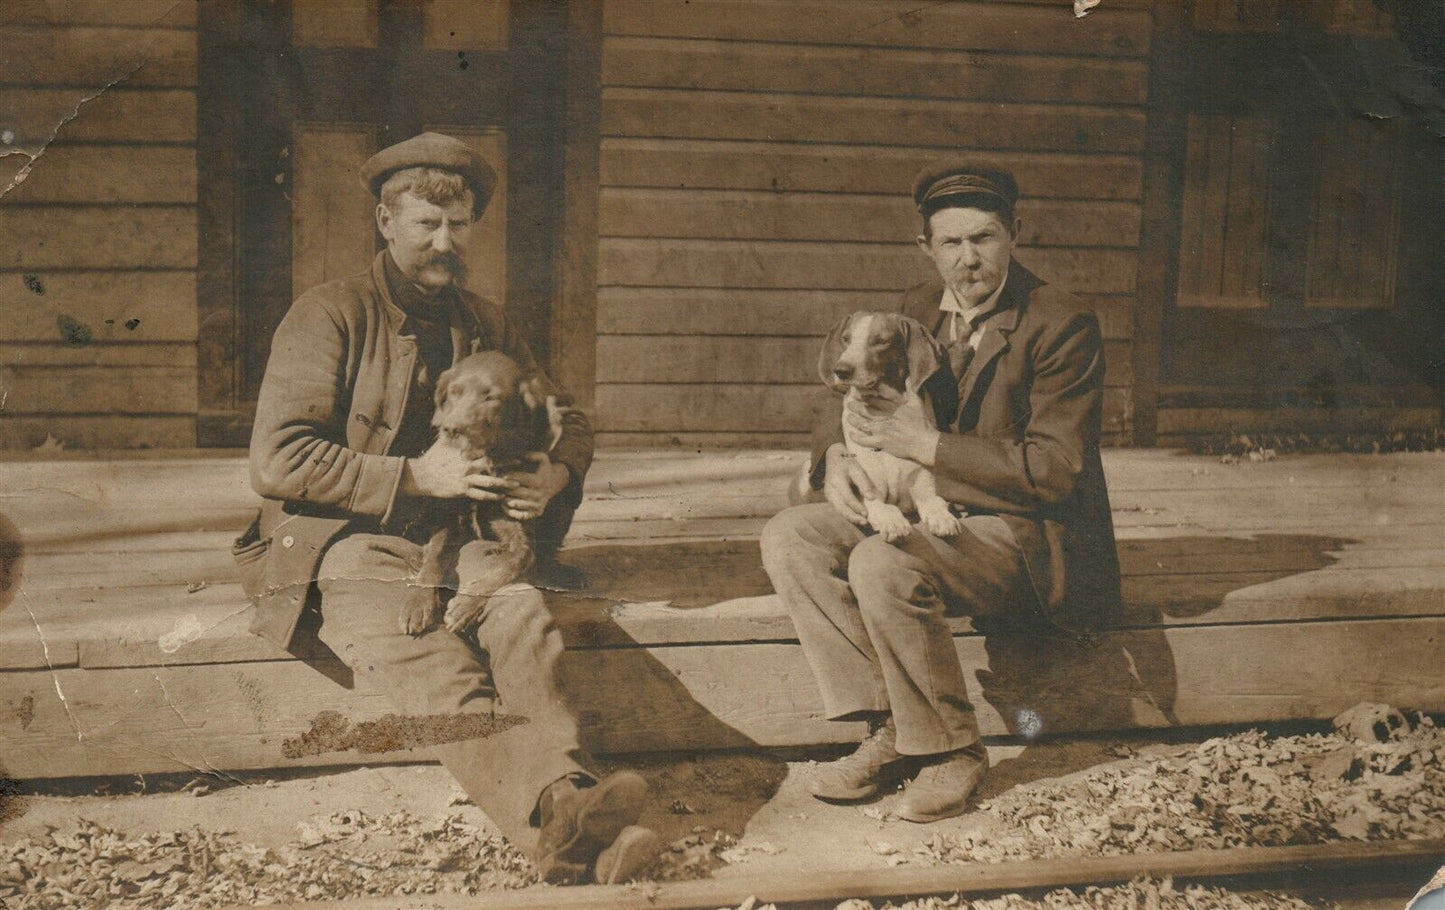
734 815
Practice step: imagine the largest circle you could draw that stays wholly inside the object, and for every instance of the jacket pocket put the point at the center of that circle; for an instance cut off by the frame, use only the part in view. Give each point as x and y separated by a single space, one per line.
249 551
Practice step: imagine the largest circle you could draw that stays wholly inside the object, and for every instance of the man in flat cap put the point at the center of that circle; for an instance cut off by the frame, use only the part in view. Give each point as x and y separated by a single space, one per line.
1015 452
341 452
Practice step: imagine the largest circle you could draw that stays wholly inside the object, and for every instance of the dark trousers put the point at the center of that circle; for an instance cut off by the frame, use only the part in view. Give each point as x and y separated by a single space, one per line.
509 664
871 615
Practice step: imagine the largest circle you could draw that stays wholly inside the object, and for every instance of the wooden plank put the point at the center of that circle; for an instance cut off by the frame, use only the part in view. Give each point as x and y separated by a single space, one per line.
851 218
110 306
785 166
53 390
99 355
746 359
99 432
90 57
675 114
45 237
574 313
156 13
965 25
702 311
869 71
110 173
1246 217
233 716
1182 422
115 115
637 262
1240 866
700 442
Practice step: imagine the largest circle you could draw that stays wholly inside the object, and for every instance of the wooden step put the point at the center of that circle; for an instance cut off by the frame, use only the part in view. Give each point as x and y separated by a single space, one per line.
1260 592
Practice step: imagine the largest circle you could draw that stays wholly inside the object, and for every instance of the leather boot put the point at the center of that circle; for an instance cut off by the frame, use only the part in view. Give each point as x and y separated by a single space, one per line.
942 787
864 772
578 823
634 850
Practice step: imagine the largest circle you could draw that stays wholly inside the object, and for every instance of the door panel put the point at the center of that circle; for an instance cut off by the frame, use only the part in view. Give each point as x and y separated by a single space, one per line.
332 220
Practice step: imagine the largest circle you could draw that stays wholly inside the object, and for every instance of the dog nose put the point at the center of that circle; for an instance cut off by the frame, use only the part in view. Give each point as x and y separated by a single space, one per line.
843 371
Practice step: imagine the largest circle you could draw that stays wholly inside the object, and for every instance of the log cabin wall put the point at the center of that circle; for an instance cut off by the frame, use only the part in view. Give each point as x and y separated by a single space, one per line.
98 264
755 164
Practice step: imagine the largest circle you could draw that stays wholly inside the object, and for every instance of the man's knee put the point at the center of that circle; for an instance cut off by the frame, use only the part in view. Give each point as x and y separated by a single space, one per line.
367 557
795 527
882 573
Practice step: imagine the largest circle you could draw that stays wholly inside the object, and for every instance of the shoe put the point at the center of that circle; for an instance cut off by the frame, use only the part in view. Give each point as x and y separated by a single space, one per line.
579 823
942 788
634 850
551 575
863 773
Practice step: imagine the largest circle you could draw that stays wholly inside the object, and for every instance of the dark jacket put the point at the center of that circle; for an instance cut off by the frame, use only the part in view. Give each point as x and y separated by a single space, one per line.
330 406
1021 440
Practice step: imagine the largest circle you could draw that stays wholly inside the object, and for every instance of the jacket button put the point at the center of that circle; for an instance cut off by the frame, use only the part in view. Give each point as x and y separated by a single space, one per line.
288 541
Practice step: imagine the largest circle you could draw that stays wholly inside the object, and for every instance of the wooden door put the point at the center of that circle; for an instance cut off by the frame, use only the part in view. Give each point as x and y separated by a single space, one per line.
306 91
1294 217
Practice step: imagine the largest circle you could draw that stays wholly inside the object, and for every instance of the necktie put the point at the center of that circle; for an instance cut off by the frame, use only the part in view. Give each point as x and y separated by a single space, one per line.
960 350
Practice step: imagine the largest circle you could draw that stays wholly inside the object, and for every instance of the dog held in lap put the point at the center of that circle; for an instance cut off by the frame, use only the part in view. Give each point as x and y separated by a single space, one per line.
494 415
881 361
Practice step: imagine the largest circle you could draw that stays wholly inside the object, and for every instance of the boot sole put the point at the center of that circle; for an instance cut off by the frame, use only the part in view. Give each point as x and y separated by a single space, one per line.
634 849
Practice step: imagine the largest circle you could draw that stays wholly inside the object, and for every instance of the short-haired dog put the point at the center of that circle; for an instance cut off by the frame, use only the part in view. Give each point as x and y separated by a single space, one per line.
881 360
491 412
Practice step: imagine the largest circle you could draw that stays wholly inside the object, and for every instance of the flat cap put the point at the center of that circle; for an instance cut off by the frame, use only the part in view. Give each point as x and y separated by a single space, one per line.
433 150
954 177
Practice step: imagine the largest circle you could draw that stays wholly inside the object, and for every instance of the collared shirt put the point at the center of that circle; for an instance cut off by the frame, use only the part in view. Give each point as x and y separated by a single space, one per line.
429 319
961 316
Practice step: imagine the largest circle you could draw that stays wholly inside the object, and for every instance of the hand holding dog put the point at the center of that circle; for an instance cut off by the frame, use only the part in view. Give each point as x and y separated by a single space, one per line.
903 434
845 484
443 472
529 491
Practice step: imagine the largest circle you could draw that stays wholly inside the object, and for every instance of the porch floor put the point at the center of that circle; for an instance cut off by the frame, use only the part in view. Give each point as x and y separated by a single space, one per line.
1254 592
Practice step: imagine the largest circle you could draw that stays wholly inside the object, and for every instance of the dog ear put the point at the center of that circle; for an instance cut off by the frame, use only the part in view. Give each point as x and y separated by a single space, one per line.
832 350
924 352
444 382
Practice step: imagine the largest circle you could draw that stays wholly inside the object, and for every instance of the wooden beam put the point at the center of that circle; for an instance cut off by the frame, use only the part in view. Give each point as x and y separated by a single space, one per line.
1164 139
574 318
88 57
98 236
973 879
114 115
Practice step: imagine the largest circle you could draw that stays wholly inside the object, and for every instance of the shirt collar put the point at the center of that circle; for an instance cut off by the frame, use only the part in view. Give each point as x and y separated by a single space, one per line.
950 303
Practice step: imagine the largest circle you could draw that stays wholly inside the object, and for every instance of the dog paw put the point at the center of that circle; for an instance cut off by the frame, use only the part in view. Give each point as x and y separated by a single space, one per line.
463 612
418 611
943 524
894 529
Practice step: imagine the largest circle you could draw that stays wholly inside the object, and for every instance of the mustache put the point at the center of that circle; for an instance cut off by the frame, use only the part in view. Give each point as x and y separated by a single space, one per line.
449 261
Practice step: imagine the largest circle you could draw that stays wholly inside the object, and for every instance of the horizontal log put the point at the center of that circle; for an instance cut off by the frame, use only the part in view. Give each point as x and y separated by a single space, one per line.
1208 421
158 13
644 699
749 359
61 354
700 311
108 306
110 173
740 408
680 114
98 432
854 266
869 71
58 390
114 115
965 25
808 216
44 237
795 167
91 57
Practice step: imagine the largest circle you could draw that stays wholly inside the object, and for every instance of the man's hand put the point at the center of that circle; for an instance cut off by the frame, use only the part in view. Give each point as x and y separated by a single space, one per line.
845 484
530 491
442 473
904 434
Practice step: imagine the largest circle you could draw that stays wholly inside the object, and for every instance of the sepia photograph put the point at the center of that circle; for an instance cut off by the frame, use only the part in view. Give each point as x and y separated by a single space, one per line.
722 454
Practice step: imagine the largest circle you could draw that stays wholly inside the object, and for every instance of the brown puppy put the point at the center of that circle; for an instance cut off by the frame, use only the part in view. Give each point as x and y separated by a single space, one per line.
489 411
881 360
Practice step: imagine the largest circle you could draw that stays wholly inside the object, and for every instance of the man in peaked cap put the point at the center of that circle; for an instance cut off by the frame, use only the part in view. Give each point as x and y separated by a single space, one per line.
1015 451
341 452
